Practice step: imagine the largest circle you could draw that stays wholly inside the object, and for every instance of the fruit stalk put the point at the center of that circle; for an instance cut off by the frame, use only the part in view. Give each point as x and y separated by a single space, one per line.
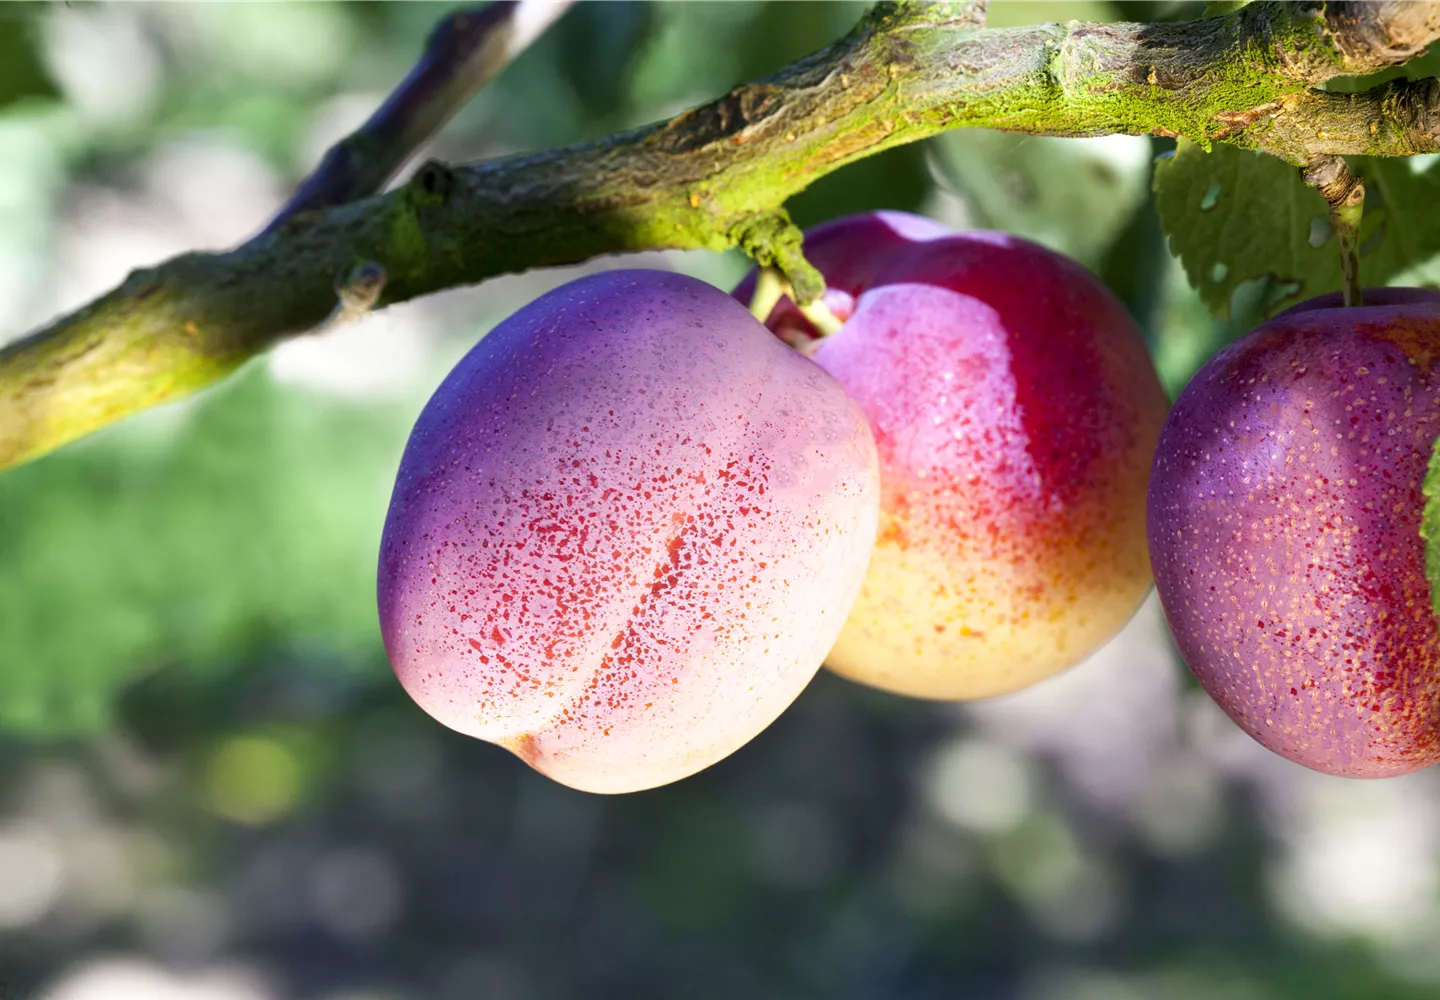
770 287
1015 412
704 178
1345 194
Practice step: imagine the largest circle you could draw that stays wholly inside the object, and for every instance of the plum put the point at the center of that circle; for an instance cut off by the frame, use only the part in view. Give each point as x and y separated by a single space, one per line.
1284 524
1015 410
625 531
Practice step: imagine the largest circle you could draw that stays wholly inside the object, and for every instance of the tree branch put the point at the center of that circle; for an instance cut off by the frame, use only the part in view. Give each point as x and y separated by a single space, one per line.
718 176
465 51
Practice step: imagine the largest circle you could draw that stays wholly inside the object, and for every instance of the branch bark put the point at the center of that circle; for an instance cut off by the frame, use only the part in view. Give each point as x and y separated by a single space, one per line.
718 176
464 52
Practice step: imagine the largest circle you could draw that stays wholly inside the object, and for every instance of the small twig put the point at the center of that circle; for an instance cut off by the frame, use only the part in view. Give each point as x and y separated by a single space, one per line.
771 239
1345 194
356 295
465 51
770 288
821 317
775 243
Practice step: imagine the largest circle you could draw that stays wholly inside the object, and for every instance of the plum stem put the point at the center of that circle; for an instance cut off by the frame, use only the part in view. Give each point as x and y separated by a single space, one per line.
770 288
821 317
1345 194
1346 221
773 240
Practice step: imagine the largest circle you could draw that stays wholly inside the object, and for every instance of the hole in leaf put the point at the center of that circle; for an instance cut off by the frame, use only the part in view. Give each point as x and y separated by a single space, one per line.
1247 301
1212 195
1320 231
1278 291
1422 162
1218 272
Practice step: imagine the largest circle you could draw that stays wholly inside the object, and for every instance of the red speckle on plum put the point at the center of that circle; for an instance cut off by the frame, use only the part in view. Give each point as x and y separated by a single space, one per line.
606 553
1015 411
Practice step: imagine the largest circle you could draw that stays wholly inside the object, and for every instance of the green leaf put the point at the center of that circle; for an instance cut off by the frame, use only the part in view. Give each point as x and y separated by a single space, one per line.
22 73
1430 525
1235 217
1401 228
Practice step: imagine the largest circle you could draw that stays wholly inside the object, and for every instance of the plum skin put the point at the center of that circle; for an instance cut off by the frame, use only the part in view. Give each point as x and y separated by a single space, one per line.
1284 525
625 531
1015 410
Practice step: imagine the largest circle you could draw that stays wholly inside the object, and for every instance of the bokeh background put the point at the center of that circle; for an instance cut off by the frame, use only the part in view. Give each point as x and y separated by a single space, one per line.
211 788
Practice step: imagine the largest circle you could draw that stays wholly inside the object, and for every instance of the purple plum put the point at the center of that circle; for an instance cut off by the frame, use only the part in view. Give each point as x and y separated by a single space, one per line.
1284 526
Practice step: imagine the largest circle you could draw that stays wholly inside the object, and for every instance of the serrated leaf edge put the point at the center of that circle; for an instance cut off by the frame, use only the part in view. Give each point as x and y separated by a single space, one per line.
1430 525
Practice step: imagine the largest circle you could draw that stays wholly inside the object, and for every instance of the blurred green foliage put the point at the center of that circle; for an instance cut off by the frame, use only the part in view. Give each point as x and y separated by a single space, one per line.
195 538
22 72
